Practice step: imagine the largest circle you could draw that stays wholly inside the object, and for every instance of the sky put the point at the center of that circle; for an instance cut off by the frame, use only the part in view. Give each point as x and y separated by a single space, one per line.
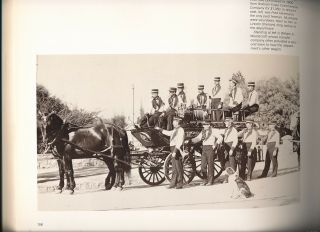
104 82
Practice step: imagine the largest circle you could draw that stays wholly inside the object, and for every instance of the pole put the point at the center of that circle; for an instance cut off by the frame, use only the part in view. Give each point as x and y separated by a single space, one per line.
133 103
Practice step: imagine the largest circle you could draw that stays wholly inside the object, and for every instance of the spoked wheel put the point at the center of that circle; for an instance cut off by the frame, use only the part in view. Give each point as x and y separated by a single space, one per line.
189 167
151 170
217 166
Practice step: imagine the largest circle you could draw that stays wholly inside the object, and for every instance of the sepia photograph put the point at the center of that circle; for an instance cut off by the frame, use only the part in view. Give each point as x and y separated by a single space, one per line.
167 131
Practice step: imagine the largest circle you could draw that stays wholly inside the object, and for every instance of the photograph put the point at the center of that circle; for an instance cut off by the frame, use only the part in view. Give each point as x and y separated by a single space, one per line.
167 131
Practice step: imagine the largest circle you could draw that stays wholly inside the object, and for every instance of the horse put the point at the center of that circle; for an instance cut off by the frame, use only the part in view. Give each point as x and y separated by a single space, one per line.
103 141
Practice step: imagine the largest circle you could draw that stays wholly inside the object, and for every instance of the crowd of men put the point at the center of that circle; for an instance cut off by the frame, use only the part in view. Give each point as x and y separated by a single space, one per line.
215 143
225 145
161 114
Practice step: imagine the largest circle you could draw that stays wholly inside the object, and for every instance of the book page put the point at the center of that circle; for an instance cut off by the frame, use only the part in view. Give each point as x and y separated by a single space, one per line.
159 115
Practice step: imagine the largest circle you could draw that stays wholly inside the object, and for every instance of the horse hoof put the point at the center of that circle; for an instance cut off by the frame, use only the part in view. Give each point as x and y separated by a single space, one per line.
120 189
69 191
58 191
114 188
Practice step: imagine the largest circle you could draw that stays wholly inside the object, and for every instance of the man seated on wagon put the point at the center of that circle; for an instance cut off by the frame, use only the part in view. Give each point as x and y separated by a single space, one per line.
210 138
216 100
252 104
182 99
171 110
236 99
157 107
201 98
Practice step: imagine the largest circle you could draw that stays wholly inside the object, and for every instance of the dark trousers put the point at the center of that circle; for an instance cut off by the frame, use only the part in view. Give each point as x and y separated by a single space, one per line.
150 120
216 114
270 158
177 169
207 163
251 160
239 160
230 110
223 155
248 110
154 119
169 118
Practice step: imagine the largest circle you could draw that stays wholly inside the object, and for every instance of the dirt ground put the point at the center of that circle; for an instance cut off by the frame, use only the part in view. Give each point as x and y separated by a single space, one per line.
89 195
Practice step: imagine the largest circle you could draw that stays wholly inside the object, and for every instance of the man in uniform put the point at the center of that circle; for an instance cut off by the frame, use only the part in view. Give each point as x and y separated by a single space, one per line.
171 110
273 141
230 141
210 138
182 99
252 105
236 98
176 142
201 97
217 99
157 107
249 138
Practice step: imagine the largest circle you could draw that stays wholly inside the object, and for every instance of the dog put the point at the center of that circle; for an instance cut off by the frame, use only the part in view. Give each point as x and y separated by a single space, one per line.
240 189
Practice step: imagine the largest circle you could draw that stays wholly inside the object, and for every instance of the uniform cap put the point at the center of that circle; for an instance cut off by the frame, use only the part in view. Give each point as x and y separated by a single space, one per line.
251 83
173 89
229 119
180 85
155 91
233 80
217 79
176 118
200 87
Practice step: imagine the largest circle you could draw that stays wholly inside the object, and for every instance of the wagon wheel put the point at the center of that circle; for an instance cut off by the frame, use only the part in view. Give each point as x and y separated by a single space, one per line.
189 167
151 170
217 166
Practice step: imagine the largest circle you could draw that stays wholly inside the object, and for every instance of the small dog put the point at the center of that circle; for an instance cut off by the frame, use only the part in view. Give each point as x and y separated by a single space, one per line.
239 186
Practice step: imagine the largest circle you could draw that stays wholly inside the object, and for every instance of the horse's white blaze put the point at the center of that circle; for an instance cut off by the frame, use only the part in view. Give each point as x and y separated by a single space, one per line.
94 133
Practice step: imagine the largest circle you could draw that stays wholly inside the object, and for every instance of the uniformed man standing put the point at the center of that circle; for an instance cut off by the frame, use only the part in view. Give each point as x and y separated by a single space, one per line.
273 141
252 105
157 107
176 142
201 97
171 110
236 98
230 142
217 99
249 138
210 138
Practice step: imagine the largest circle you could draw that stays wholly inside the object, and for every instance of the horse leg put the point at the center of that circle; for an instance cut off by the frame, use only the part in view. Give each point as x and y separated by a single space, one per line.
69 173
110 179
61 175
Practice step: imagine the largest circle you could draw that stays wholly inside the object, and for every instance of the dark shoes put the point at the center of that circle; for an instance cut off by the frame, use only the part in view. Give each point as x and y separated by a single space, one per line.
262 176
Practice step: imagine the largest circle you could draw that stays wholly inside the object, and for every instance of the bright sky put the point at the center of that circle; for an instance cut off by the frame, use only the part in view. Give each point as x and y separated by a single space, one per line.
104 82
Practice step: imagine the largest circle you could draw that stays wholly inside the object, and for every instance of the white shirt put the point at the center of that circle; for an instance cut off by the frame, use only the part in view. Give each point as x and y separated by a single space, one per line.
231 136
212 137
153 110
253 98
274 136
236 98
218 94
176 137
249 136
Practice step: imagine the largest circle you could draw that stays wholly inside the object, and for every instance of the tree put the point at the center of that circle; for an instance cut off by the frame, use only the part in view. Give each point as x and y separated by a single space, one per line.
278 99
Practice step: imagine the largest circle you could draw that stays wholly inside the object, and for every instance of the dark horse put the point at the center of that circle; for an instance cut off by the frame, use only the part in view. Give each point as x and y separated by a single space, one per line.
106 142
